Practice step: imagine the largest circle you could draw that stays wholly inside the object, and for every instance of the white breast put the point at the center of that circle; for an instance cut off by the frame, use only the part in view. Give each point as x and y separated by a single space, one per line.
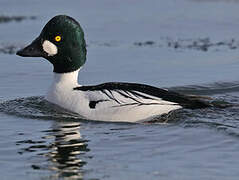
61 93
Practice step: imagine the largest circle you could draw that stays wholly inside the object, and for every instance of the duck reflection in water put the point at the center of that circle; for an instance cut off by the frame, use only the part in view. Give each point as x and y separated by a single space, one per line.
67 149
65 152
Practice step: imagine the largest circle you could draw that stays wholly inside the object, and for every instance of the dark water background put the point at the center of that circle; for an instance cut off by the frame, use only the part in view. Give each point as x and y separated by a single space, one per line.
189 46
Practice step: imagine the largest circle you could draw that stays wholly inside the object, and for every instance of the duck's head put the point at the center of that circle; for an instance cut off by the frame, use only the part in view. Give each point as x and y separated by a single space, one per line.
61 42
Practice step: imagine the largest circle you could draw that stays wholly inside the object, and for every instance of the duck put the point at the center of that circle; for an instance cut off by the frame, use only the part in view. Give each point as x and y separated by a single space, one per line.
62 43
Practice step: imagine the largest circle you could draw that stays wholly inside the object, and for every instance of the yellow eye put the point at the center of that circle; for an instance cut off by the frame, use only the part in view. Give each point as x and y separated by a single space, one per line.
58 38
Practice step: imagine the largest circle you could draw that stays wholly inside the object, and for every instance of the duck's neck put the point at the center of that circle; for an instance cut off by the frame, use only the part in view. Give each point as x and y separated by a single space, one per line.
62 85
70 79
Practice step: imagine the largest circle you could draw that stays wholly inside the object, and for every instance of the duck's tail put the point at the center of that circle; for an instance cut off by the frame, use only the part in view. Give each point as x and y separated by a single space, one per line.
205 102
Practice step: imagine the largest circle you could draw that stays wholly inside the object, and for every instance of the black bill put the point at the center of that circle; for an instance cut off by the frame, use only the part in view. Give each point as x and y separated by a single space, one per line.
32 50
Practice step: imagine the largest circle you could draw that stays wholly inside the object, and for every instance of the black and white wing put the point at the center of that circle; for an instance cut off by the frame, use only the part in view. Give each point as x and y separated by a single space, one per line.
133 94
132 102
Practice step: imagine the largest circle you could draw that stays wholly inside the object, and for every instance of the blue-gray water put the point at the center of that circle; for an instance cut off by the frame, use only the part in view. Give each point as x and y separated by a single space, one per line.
190 46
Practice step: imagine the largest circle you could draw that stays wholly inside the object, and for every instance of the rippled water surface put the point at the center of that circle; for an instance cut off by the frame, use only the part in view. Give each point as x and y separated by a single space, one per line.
189 46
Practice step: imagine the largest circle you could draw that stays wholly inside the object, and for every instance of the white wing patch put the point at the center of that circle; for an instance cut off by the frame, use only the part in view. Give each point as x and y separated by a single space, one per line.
49 48
121 98
129 106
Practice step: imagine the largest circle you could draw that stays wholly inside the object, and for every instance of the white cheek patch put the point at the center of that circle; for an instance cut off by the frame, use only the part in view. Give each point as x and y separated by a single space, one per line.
49 48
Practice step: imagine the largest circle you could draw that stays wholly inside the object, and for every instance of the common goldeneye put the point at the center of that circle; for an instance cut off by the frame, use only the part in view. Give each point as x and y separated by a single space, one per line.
62 43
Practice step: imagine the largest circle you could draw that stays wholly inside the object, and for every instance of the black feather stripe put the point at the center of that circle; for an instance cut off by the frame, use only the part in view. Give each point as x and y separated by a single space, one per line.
111 96
128 96
142 96
142 104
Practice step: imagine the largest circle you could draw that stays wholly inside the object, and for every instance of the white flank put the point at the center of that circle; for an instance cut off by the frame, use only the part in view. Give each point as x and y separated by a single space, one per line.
49 48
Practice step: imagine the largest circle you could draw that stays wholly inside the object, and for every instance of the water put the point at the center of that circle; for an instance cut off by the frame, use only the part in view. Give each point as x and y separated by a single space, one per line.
190 46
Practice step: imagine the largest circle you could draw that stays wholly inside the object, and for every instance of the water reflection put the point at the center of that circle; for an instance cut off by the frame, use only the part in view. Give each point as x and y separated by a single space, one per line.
65 151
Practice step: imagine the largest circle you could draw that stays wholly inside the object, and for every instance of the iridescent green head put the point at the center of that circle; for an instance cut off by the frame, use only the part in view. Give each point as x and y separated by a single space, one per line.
61 42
